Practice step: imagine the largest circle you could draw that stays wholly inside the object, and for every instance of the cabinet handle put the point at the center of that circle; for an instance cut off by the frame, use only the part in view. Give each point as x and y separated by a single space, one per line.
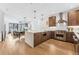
44 34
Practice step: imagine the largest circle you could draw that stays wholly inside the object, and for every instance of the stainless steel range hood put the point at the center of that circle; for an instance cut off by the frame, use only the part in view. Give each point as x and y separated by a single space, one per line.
61 24
61 18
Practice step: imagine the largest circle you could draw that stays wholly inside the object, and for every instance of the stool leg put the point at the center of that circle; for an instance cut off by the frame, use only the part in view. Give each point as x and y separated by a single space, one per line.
74 49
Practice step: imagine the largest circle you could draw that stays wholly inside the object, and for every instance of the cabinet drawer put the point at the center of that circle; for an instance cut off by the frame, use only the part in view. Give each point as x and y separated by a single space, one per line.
46 36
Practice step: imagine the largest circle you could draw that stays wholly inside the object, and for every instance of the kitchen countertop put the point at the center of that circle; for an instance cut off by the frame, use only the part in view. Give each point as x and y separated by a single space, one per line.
36 31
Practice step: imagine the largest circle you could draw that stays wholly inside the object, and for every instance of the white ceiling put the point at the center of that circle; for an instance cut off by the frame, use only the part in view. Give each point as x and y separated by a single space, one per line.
26 9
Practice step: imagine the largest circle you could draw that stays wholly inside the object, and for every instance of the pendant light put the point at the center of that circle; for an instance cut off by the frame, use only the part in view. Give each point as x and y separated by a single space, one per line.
42 16
34 14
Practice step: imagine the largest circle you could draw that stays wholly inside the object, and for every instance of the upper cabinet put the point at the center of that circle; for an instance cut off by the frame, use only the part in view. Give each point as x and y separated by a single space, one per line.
73 18
52 21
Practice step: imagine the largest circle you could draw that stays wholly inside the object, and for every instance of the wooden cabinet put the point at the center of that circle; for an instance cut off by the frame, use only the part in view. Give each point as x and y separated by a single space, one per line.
41 37
52 21
37 38
46 36
73 18
69 37
52 34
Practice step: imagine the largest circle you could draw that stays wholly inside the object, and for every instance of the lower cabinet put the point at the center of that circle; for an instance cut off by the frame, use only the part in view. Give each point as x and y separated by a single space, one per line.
49 35
52 34
33 39
41 37
69 37
37 38
44 36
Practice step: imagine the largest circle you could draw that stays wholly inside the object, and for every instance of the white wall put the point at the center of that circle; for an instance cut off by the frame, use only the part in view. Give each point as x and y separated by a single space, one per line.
1 23
39 24
36 24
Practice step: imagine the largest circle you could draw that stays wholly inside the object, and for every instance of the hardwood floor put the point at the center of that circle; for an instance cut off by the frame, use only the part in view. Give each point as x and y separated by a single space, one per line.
50 47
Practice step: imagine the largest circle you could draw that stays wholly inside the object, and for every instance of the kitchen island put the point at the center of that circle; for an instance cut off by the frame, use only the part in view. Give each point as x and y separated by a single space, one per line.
33 38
